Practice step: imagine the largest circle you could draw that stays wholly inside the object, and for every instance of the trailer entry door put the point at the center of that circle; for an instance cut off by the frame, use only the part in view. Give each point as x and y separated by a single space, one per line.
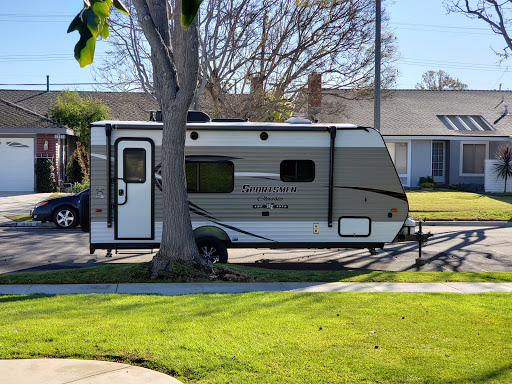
134 218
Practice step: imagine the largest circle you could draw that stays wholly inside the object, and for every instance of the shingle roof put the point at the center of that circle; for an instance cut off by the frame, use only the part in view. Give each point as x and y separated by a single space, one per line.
415 112
123 105
14 116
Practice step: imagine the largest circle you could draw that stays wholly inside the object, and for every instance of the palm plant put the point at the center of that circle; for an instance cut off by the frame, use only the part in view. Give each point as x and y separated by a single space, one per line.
503 166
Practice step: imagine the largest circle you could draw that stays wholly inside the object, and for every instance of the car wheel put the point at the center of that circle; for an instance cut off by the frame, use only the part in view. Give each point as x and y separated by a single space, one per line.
212 249
65 217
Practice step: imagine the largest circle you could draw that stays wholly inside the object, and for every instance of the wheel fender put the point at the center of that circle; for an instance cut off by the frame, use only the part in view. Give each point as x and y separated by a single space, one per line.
210 231
84 214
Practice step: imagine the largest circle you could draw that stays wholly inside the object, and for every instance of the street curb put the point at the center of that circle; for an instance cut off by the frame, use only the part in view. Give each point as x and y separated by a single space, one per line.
34 224
26 224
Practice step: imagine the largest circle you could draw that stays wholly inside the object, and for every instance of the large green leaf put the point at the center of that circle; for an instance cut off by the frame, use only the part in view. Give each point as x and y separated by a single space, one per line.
189 9
121 7
90 23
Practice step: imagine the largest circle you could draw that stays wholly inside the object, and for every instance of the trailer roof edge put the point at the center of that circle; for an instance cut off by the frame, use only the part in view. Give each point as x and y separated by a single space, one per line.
227 126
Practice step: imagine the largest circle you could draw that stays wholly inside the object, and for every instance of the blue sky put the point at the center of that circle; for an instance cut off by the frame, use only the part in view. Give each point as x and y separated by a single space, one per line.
35 44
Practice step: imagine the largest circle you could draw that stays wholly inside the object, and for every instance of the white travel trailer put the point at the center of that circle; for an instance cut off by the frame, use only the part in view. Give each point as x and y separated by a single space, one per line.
250 185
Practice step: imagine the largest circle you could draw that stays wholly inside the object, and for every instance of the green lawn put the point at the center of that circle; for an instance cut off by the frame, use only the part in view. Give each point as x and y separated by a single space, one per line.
273 337
455 205
136 273
19 218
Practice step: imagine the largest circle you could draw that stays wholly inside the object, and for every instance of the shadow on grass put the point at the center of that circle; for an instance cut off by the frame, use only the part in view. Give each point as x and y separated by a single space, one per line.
19 298
500 374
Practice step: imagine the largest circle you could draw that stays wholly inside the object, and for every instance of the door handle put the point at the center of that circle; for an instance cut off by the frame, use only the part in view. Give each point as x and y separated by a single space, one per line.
121 192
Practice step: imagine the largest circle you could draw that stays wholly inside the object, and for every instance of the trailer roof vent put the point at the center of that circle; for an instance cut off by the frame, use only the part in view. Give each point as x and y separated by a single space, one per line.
298 120
197 117
192 116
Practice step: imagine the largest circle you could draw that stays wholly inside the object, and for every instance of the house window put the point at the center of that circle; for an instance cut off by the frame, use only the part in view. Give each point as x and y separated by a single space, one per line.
399 153
438 159
297 170
209 177
473 158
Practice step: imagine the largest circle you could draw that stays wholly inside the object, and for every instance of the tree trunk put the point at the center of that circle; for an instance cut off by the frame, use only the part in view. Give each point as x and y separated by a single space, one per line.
174 55
177 244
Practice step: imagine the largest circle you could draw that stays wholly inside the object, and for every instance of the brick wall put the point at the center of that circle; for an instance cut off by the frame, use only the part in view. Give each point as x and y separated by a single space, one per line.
52 151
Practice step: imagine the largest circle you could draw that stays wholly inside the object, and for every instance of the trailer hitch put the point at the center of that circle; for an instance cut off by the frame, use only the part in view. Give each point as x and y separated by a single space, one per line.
418 236
422 239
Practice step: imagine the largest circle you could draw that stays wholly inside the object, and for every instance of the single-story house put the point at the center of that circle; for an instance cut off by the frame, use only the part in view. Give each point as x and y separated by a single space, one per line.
444 134
27 134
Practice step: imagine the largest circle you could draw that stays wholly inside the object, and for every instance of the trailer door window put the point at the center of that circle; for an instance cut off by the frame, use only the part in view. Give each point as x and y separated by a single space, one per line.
297 170
210 177
134 165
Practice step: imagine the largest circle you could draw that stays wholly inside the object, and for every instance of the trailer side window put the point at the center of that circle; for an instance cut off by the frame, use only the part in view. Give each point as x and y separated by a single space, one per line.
297 170
210 177
134 165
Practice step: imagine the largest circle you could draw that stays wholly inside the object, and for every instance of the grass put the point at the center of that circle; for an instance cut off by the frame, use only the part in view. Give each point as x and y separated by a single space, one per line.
455 205
136 273
19 218
273 337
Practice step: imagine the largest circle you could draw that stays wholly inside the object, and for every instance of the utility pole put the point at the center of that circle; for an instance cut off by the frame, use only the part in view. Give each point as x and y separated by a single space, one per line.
376 105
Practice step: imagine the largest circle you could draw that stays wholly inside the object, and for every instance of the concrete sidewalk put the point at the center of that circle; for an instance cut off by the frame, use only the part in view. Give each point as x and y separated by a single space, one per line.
63 371
174 289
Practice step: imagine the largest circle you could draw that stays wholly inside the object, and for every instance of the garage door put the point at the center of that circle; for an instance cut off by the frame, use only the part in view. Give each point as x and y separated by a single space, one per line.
16 164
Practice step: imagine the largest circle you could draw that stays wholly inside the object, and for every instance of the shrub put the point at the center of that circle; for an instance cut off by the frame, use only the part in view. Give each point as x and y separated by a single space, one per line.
45 177
427 185
503 165
77 187
426 179
77 169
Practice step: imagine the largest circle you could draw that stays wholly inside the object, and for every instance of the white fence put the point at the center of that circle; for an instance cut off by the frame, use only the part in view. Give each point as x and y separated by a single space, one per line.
493 184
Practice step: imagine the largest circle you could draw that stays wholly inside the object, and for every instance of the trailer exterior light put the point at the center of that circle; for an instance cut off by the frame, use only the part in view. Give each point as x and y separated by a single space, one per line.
394 210
97 210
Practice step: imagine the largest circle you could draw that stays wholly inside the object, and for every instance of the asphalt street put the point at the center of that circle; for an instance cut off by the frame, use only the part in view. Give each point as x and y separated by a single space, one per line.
452 248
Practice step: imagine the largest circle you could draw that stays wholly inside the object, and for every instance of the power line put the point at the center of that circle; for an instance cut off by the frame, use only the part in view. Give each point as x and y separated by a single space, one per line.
31 15
54 84
43 57
438 26
452 64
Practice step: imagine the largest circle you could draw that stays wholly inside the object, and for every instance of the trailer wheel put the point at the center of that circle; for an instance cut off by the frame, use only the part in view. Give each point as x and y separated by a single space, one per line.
212 249
84 214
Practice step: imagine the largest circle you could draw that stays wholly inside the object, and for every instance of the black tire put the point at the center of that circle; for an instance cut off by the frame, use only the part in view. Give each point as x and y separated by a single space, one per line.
84 214
212 249
65 217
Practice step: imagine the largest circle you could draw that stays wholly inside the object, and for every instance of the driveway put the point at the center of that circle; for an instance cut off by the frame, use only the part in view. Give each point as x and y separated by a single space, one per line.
457 249
18 203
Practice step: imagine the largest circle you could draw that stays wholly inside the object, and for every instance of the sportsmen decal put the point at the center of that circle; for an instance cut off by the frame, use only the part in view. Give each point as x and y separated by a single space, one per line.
268 189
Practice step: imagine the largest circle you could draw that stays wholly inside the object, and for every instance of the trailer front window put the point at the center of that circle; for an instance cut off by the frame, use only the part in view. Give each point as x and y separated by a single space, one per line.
134 165
297 170
210 177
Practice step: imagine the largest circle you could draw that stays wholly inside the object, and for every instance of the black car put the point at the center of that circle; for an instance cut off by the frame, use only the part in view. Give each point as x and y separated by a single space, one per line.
63 211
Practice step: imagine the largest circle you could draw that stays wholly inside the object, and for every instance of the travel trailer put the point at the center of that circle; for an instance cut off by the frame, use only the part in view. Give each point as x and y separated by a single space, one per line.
250 185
